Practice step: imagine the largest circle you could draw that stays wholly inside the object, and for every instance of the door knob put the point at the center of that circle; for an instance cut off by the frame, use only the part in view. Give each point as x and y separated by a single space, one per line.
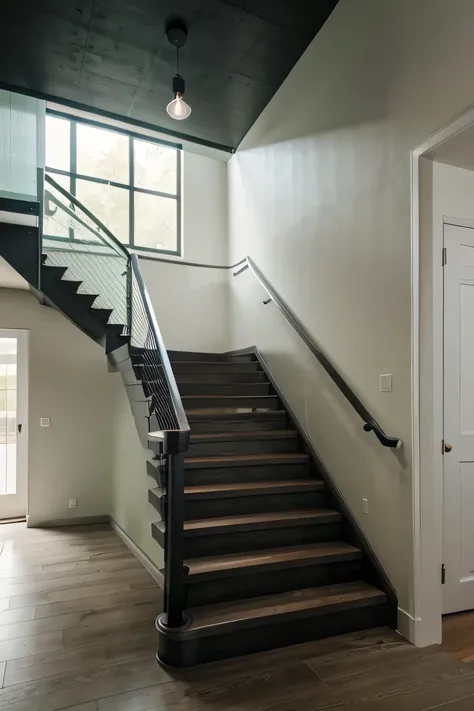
447 447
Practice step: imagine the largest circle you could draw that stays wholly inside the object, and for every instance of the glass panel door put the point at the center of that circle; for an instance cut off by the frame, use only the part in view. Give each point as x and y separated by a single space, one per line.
13 423
8 415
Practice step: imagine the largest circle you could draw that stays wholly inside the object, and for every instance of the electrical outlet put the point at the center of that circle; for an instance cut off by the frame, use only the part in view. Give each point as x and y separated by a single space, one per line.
365 506
72 503
45 421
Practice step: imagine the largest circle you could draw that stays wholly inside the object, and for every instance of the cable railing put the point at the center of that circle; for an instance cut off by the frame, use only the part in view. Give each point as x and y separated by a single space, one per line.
74 238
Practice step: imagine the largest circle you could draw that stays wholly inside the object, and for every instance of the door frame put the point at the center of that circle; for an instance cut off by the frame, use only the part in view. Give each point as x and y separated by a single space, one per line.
424 627
22 405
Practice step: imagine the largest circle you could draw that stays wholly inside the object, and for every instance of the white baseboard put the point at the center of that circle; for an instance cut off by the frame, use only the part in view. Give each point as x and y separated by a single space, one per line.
415 631
139 554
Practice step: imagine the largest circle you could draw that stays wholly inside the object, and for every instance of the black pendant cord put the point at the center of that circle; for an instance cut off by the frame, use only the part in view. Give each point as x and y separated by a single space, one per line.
177 60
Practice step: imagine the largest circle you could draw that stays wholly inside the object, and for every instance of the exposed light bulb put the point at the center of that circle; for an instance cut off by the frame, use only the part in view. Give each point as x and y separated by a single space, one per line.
177 108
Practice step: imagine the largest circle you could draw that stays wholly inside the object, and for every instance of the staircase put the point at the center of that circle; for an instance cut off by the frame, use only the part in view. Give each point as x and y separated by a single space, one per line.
260 551
266 551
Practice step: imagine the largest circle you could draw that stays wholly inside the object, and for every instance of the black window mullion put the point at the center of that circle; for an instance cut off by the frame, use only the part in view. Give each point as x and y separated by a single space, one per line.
74 177
178 202
72 165
131 179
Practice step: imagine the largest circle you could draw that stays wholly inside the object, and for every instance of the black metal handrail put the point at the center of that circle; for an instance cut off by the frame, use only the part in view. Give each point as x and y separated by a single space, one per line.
370 423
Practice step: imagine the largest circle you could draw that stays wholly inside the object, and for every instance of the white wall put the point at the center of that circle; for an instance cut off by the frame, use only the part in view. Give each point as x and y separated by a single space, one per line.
191 303
205 215
320 197
68 382
21 147
130 482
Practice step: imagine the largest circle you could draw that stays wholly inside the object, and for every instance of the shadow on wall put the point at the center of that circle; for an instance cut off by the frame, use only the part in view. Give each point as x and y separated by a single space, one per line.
310 90
359 466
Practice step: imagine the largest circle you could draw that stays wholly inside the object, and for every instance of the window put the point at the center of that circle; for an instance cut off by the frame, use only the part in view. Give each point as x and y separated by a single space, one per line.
130 183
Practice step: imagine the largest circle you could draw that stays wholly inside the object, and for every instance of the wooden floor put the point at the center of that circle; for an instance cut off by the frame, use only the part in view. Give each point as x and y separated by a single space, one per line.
77 631
458 636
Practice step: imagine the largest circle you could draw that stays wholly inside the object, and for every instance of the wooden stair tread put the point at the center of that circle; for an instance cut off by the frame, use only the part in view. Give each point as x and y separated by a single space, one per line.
229 413
246 459
214 362
228 397
243 435
262 520
271 558
257 487
329 599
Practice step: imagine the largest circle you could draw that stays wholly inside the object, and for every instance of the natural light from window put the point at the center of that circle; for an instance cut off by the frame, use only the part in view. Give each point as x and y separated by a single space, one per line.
130 184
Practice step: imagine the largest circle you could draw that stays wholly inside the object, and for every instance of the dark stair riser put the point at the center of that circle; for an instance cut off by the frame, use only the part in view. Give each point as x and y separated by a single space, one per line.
265 472
246 389
255 446
262 402
211 368
254 540
179 356
241 505
266 582
251 424
222 378
76 307
71 286
182 651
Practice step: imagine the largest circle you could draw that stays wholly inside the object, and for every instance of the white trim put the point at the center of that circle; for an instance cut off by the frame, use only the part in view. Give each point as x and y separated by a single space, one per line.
458 222
18 218
139 554
424 626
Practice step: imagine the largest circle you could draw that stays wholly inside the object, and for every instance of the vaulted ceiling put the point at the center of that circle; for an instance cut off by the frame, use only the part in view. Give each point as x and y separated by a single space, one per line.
113 55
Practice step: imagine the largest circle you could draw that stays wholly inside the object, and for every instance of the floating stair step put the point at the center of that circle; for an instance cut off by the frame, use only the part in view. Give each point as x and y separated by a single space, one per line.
245 626
264 572
274 558
255 522
191 356
257 376
246 467
54 271
243 498
228 420
102 315
266 441
71 285
234 534
223 367
208 389
245 460
255 402
86 300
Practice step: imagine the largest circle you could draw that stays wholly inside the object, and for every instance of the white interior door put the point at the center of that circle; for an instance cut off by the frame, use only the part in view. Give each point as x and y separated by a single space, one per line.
13 423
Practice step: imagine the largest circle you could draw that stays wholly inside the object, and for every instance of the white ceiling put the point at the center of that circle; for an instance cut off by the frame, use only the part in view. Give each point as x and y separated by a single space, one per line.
458 151
9 278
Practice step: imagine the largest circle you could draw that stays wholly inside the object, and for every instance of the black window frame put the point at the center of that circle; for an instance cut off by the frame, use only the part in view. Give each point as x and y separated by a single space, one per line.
73 176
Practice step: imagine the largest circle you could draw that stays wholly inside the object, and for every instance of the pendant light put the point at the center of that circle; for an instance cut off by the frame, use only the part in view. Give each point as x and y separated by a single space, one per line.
177 108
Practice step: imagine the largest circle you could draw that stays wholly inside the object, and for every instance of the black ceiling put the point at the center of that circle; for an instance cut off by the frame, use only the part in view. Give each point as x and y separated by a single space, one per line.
113 55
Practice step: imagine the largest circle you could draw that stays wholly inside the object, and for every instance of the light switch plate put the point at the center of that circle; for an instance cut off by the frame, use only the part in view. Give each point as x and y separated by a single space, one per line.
386 383
45 421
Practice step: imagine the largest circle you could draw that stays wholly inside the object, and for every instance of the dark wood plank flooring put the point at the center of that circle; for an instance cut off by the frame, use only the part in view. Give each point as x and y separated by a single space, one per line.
77 618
